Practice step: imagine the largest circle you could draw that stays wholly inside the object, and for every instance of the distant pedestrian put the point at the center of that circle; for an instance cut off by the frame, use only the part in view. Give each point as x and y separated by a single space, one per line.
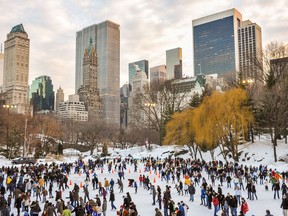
112 200
244 206
158 213
284 205
268 213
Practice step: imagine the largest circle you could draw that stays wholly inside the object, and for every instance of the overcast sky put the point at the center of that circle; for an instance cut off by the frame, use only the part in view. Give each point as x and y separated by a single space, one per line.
147 29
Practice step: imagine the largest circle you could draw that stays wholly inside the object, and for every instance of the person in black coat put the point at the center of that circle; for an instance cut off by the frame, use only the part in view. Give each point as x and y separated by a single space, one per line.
284 205
191 190
284 189
79 211
5 211
112 199
35 208
18 204
276 188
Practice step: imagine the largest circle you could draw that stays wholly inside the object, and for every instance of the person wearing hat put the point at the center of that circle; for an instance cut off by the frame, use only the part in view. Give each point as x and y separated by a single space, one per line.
157 212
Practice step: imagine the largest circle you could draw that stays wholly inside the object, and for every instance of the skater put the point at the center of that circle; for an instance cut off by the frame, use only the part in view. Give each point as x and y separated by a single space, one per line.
112 199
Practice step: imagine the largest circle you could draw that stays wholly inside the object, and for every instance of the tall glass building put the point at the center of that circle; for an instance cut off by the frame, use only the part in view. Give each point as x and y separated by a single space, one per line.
174 63
215 43
107 45
41 94
142 65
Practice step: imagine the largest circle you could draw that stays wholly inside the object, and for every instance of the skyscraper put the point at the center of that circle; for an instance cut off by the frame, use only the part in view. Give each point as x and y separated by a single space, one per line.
16 68
174 63
107 45
250 50
158 74
140 80
142 65
1 68
215 43
41 94
124 94
89 91
59 98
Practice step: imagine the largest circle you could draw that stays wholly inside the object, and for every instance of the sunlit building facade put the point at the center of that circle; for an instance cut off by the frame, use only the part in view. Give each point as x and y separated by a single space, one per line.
73 109
250 51
16 68
1 68
174 63
59 98
158 74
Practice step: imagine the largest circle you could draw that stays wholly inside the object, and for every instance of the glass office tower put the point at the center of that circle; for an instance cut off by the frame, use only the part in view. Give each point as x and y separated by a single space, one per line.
41 94
215 43
107 45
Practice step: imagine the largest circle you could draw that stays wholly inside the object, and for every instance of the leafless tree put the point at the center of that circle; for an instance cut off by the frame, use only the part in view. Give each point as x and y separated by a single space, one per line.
271 98
167 99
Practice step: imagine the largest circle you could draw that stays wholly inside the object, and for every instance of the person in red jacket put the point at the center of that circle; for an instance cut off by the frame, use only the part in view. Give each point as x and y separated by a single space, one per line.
244 206
140 180
215 202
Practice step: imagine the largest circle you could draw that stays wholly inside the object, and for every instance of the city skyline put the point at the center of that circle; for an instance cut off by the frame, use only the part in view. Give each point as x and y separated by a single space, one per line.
147 30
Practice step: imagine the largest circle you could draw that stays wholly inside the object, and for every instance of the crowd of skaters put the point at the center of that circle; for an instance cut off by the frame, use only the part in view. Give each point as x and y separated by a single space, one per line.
23 187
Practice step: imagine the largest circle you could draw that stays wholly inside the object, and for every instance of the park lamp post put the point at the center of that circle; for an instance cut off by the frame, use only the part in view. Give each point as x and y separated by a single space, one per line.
8 107
149 105
248 81
200 68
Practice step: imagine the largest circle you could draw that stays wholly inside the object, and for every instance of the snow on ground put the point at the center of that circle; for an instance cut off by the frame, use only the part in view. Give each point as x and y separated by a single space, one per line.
260 152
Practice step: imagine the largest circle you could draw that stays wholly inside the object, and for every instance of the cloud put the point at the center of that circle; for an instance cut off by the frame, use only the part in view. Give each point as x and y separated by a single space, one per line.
147 28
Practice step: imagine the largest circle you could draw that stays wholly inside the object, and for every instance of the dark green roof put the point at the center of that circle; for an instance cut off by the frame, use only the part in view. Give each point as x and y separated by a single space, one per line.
17 28
90 45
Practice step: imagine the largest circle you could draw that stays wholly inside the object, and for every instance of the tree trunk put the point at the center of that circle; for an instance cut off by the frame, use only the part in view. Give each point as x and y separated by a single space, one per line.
195 151
232 144
252 134
274 148
236 152
212 154
191 151
200 153
222 152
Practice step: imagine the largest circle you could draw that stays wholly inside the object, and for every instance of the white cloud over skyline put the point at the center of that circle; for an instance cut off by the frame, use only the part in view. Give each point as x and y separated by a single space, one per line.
147 29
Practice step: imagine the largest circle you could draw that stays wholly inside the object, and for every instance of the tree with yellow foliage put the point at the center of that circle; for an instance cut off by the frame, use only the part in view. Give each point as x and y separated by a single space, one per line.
180 131
222 119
